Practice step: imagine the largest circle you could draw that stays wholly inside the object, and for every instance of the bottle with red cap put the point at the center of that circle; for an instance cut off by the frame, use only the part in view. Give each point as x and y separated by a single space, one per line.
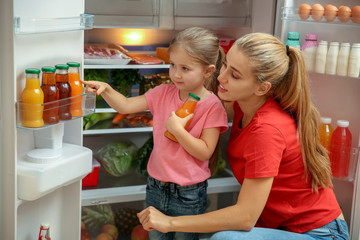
44 233
340 149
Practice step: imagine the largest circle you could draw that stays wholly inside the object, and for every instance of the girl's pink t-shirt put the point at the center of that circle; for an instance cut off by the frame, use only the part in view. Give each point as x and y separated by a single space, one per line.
169 161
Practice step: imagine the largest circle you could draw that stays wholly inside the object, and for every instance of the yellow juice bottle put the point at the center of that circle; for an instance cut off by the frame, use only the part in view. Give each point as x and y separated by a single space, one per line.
32 100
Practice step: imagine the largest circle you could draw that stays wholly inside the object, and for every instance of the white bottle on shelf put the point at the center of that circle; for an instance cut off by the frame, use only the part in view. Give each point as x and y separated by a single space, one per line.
343 59
332 58
308 50
320 60
354 61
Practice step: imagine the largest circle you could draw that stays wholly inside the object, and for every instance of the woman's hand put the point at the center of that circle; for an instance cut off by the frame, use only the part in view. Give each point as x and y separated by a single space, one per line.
95 86
151 219
175 123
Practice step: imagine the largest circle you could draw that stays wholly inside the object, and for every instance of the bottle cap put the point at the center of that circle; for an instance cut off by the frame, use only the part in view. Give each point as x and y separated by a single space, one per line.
343 123
73 64
345 44
194 96
323 42
48 69
61 66
32 70
311 36
334 44
326 120
293 35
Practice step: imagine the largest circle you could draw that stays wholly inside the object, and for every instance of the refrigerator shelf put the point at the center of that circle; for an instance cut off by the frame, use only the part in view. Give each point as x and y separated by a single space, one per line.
47 25
128 66
87 100
291 14
132 187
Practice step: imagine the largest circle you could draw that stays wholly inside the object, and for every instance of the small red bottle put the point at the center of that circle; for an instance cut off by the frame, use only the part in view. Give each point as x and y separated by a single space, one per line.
44 233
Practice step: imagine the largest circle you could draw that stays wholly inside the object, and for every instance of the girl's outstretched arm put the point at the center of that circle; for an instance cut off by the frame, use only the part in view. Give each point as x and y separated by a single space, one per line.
115 99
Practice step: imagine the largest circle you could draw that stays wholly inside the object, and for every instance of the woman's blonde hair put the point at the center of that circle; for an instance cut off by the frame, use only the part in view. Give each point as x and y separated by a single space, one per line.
284 68
204 46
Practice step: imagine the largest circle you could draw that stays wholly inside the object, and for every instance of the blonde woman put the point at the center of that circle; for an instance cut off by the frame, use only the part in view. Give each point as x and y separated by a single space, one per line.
274 152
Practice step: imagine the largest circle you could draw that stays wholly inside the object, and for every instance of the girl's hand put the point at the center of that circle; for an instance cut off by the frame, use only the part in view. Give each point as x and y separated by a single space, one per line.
151 219
174 123
95 86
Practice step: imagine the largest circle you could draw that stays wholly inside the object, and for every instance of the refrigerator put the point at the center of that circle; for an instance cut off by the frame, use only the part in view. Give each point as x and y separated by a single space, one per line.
38 33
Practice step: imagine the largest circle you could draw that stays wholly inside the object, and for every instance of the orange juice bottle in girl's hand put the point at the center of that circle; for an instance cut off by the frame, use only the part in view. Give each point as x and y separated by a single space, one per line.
185 110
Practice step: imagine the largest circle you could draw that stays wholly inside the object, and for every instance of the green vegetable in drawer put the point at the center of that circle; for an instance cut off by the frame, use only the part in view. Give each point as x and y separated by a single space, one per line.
117 158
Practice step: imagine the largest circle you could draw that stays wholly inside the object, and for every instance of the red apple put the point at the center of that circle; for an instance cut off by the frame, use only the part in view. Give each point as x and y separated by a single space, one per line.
110 229
85 235
104 236
139 233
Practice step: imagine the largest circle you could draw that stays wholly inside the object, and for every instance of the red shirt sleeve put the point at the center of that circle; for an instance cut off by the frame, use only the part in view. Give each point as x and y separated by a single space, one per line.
263 151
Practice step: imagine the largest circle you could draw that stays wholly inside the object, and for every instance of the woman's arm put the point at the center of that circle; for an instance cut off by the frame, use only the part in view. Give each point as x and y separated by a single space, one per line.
201 148
241 216
115 99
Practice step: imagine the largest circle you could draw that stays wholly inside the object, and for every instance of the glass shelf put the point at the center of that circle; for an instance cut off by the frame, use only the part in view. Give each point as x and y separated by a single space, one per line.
128 66
47 25
132 187
291 14
30 111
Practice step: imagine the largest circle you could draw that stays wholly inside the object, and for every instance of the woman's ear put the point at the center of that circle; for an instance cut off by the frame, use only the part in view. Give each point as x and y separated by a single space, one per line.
209 70
263 88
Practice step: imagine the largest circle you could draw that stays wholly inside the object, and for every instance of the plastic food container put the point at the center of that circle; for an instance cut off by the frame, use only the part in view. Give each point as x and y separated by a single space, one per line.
92 178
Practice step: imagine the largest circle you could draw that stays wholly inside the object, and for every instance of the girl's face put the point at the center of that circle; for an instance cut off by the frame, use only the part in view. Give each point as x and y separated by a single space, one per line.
186 73
237 82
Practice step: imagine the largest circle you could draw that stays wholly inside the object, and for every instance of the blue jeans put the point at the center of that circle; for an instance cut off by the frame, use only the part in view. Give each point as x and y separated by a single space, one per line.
335 230
175 200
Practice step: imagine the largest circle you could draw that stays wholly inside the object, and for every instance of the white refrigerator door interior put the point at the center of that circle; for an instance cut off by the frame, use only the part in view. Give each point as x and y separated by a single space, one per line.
61 207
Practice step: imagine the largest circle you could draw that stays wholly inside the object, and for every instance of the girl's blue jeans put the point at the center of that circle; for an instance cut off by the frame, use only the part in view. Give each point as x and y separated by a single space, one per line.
335 230
175 200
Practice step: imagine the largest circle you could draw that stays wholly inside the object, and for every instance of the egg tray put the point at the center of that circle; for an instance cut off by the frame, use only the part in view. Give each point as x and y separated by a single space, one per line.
292 14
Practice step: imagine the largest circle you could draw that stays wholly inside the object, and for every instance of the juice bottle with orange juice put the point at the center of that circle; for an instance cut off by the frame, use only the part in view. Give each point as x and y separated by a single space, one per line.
76 89
51 95
31 111
185 110
62 82
326 132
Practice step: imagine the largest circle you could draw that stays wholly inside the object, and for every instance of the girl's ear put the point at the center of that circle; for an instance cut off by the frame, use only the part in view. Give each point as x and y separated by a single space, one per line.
263 88
209 70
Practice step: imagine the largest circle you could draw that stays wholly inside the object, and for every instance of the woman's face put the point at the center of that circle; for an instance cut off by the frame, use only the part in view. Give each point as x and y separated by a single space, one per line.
237 82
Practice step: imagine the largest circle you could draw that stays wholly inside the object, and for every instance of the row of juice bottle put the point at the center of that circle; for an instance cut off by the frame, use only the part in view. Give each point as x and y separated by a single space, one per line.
57 98
338 144
332 58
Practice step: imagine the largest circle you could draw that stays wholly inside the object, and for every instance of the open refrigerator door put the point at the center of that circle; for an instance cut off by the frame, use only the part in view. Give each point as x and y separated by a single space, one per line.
42 167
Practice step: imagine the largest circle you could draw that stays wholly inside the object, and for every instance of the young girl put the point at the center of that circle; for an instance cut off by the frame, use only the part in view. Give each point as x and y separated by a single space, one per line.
274 151
179 171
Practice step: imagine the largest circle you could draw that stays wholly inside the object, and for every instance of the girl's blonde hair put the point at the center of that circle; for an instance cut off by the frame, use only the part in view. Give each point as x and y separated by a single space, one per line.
282 66
202 45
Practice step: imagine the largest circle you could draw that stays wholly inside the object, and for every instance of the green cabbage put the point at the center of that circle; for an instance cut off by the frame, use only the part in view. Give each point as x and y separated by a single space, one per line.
117 158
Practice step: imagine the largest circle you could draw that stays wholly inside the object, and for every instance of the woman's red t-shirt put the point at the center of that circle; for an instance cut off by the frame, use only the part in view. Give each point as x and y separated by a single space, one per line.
269 147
